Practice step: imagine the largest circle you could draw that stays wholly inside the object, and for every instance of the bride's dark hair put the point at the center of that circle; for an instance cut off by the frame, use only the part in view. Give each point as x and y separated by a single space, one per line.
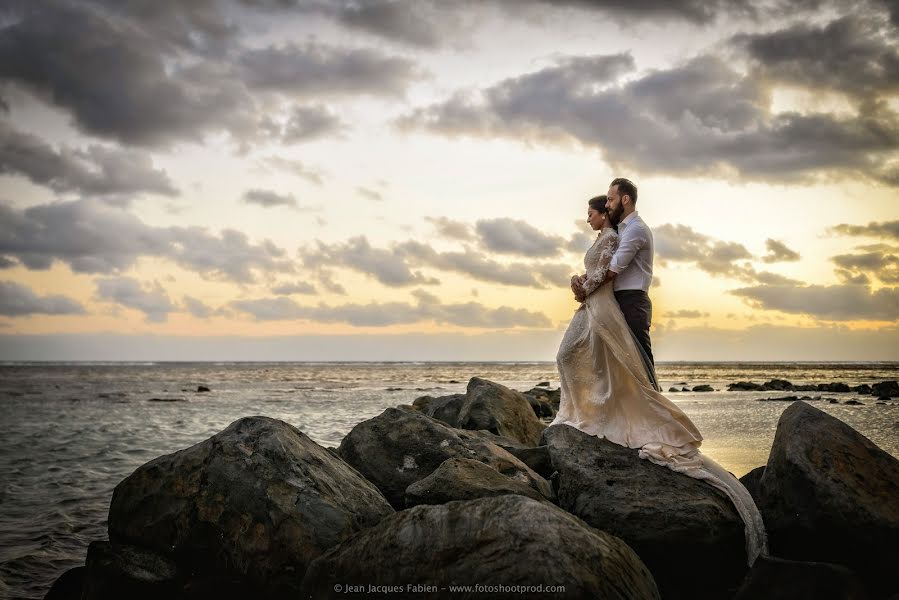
598 203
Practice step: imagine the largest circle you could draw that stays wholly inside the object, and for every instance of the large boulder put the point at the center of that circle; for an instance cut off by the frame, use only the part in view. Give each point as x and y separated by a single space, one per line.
399 447
751 482
508 540
829 494
465 479
687 532
259 499
122 571
774 578
490 406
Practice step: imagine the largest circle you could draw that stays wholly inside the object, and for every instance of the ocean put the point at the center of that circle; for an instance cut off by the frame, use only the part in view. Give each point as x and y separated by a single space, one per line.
72 431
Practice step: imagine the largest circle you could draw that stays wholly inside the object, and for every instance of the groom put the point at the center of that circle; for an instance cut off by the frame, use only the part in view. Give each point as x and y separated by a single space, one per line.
631 267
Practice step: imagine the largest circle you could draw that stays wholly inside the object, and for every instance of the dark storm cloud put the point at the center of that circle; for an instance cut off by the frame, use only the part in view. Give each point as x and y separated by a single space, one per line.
701 118
834 303
885 229
315 69
112 76
151 300
93 171
856 54
779 252
92 238
17 300
511 236
428 308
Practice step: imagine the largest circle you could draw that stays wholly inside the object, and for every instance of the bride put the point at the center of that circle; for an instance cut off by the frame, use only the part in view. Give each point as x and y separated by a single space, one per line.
608 392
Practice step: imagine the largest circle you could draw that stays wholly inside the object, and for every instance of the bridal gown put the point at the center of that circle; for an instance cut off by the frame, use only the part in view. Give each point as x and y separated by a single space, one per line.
607 392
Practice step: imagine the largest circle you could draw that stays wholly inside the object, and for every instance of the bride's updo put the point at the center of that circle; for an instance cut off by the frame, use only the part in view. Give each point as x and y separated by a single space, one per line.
599 205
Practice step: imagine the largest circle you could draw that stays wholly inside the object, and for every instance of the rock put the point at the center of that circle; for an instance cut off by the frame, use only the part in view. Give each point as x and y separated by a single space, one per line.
854 402
540 403
781 385
397 448
885 389
536 458
778 579
703 388
685 389
67 586
675 523
122 571
833 387
784 399
490 406
465 479
673 389
508 540
203 388
751 482
166 400
863 389
829 495
543 384
745 386
259 499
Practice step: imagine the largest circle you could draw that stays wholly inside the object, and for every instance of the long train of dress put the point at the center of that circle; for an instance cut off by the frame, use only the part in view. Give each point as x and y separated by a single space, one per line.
605 391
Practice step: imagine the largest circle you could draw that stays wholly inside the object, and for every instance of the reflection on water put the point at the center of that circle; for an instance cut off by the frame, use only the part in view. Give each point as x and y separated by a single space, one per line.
71 432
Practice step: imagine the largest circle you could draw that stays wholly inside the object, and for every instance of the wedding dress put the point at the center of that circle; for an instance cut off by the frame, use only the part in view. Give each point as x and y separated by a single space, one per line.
607 392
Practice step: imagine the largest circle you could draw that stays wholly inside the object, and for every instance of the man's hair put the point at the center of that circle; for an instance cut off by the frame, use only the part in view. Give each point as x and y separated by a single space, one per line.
598 203
625 186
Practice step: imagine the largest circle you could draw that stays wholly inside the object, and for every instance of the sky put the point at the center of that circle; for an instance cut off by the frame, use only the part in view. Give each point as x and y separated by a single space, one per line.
408 179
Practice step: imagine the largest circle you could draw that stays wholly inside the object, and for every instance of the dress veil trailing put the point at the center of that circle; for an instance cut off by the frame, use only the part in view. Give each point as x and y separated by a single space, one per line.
607 390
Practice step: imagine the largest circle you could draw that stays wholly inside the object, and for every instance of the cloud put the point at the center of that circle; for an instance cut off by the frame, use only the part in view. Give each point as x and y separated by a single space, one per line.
370 193
297 287
513 236
17 300
310 123
855 54
428 308
779 252
294 167
131 92
269 199
93 238
357 254
859 267
448 228
833 303
94 171
885 229
686 314
318 70
153 301
699 118
197 307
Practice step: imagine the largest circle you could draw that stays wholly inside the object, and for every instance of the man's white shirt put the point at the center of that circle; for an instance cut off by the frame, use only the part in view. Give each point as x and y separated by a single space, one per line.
633 259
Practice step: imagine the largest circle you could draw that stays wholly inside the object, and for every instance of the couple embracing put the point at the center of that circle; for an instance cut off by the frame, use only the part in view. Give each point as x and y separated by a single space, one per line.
606 370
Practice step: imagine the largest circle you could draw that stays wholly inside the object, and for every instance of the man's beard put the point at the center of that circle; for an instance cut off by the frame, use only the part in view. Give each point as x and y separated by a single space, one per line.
615 214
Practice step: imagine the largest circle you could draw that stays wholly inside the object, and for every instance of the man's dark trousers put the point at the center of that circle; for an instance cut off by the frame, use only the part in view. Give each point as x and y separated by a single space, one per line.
637 311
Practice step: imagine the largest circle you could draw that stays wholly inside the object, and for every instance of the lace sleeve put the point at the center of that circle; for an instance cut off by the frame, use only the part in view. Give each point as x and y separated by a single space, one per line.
606 250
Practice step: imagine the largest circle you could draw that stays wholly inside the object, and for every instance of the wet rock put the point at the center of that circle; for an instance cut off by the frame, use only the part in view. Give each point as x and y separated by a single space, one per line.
397 448
203 388
260 499
779 579
508 540
116 571
672 521
465 479
828 494
885 389
543 384
745 386
778 384
854 402
673 389
166 400
784 399
67 586
703 388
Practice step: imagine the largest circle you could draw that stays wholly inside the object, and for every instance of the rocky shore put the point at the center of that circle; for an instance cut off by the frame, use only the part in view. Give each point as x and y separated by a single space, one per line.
475 490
